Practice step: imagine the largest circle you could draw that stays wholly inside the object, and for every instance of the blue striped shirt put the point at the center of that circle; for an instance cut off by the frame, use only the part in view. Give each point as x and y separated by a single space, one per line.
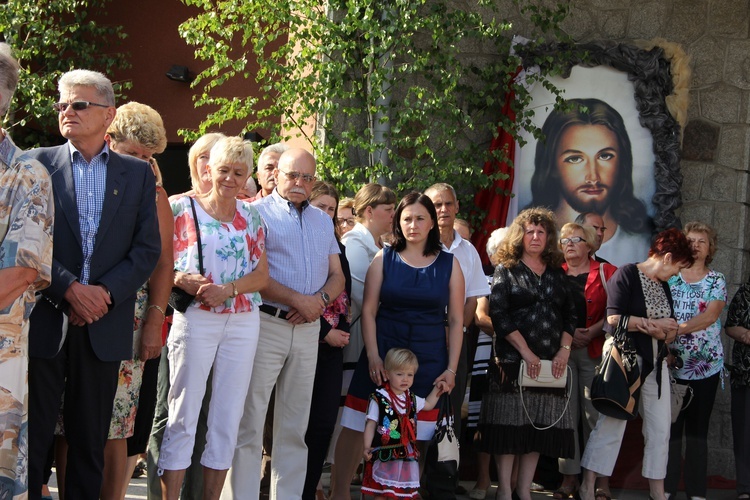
90 181
297 244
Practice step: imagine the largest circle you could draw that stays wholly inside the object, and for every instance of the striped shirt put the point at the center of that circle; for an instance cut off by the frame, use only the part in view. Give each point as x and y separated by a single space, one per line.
90 181
298 244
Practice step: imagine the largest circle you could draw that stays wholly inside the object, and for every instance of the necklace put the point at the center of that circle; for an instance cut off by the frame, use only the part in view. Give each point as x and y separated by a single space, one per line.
218 215
402 409
537 274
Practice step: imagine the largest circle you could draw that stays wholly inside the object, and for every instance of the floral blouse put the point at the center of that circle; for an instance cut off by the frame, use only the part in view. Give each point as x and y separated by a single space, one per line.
230 249
739 315
702 352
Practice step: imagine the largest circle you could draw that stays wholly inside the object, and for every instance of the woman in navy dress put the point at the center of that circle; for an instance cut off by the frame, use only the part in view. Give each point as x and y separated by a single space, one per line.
407 289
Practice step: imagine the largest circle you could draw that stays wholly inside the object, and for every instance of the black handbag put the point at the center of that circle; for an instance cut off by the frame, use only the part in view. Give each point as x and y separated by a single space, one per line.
442 458
617 384
179 299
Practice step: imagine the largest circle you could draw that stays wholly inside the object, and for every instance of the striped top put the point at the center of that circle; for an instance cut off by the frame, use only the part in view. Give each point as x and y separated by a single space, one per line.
298 244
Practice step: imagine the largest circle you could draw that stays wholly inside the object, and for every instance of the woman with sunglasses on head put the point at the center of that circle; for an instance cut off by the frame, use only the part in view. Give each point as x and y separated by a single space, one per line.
586 279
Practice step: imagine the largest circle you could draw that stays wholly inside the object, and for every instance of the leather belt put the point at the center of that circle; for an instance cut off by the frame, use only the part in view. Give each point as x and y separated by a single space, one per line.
273 311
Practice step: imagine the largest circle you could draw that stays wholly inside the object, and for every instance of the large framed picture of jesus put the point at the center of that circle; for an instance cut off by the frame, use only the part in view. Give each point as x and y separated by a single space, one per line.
602 157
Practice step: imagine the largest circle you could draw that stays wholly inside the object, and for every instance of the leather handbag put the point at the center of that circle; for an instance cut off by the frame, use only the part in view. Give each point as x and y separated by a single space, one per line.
179 299
546 380
443 456
617 384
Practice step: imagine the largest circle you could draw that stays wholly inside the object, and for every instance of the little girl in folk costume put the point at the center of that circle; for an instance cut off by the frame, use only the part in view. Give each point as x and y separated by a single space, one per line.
391 468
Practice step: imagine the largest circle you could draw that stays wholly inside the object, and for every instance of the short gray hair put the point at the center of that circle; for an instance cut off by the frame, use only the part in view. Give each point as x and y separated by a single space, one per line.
8 77
279 148
88 78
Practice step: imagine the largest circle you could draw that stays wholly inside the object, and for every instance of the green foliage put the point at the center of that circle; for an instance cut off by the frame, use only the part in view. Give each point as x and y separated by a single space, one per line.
50 37
434 71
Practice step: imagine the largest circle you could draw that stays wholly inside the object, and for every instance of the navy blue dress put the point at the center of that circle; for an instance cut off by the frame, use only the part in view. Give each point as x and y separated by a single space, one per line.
411 314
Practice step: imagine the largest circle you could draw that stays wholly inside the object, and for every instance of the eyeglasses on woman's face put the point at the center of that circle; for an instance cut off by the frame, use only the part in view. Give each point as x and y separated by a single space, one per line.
574 239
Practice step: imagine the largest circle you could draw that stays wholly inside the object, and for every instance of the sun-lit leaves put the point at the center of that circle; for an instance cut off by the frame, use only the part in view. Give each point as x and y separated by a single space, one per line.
434 72
50 37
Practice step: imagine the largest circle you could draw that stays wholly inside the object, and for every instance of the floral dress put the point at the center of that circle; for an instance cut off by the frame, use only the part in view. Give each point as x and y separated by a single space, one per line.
702 352
233 247
26 220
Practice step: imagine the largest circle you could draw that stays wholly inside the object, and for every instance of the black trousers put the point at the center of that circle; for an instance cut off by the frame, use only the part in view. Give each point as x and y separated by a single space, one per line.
90 385
324 408
693 422
138 442
741 433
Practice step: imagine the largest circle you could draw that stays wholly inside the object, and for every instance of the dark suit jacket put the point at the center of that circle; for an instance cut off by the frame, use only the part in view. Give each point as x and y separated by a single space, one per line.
126 249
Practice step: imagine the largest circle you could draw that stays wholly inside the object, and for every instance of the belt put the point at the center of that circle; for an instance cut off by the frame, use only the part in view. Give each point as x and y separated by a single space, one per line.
273 311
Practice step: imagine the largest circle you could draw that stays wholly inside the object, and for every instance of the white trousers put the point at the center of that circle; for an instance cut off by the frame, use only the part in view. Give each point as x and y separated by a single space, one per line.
604 443
286 357
198 341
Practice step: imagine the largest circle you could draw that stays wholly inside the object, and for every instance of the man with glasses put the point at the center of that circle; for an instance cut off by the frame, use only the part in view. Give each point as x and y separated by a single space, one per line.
267 162
106 244
305 274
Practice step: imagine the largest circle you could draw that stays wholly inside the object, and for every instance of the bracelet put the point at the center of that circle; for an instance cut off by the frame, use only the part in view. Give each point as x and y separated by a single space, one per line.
449 370
234 289
158 308
566 347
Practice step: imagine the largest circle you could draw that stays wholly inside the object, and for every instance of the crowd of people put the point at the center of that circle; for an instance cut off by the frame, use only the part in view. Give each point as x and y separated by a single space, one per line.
238 324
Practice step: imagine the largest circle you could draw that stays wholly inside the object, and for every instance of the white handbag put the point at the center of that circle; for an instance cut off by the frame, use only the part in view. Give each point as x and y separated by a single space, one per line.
547 380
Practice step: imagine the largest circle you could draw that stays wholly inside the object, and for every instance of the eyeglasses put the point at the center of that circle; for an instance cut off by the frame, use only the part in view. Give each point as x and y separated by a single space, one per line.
574 239
293 176
62 107
347 222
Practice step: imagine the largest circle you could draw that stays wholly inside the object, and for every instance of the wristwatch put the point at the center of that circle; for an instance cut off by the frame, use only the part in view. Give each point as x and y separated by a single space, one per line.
325 297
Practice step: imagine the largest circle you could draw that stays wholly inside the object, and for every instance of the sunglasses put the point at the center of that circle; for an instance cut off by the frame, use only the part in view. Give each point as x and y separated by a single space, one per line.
62 107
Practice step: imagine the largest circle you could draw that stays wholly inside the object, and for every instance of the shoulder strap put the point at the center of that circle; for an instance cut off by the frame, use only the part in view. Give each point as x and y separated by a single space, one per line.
603 278
198 234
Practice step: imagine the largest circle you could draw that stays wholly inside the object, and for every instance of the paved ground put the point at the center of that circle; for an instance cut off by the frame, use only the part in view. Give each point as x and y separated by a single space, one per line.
137 491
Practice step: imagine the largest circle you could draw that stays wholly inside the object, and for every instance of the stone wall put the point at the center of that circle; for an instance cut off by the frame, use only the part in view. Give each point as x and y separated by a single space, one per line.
716 145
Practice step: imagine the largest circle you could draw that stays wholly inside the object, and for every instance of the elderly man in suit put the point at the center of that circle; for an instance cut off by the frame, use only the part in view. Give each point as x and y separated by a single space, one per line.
106 243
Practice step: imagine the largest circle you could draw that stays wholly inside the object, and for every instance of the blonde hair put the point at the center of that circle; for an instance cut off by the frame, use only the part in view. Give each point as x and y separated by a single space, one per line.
400 358
202 146
497 237
510 251
141 124
372 195
229 150
589 234
347 203
700 227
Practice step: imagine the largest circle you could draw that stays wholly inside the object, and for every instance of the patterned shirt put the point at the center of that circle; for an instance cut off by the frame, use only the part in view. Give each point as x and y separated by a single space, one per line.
230 249
26 220
298 244
702 352
27 212
90 181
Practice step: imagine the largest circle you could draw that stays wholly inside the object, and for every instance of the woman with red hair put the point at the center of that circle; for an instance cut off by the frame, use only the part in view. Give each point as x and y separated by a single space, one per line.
641 292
